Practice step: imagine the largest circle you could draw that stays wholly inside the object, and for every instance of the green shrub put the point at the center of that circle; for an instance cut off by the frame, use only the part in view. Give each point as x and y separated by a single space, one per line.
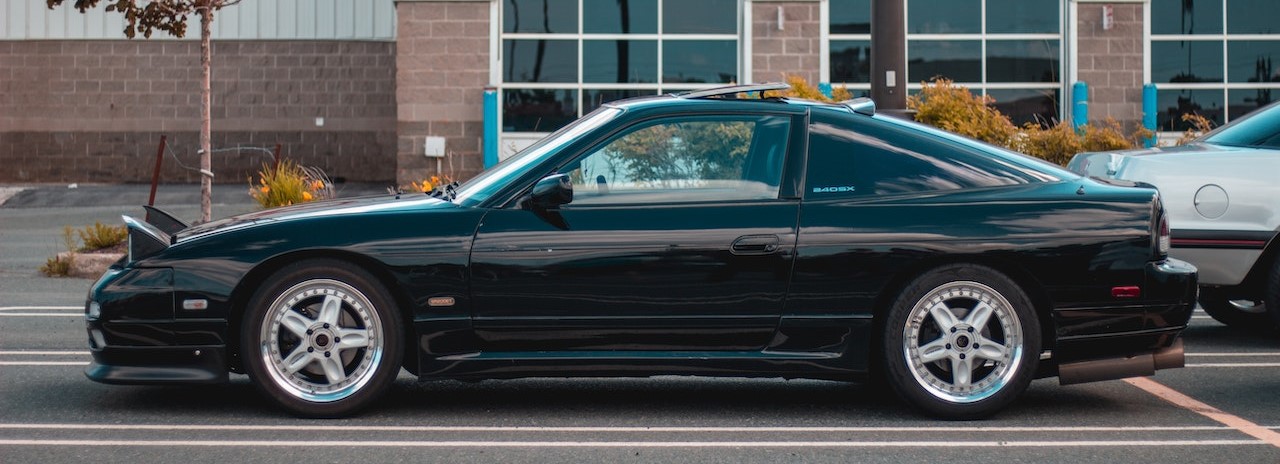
289 183
953 108
102 237
60 265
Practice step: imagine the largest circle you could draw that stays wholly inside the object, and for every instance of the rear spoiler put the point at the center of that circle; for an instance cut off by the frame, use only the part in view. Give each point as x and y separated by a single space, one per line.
163 220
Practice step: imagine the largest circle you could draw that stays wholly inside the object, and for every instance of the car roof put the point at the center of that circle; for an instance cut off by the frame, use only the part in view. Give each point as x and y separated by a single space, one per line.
740 94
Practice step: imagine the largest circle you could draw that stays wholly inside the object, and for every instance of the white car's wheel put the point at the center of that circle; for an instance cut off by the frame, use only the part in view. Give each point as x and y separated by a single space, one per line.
1239 313
961 342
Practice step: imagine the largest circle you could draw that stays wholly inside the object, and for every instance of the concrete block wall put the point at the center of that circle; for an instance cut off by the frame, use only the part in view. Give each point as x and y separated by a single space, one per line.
442 67
793 50
93 111
1110 61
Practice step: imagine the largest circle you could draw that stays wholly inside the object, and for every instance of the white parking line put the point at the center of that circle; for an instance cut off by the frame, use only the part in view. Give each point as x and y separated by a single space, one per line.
626 429
44 353
1233 365
44 363
41 308
634 444
1230 355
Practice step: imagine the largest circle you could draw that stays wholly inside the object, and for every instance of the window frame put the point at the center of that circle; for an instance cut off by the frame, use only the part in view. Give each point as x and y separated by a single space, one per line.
1225 38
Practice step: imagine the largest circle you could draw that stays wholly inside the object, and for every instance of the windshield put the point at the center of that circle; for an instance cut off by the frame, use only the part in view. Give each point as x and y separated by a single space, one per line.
489 182
1260 128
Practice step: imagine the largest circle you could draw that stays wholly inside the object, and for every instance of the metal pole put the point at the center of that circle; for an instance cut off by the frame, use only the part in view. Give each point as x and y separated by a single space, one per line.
889 55
155 174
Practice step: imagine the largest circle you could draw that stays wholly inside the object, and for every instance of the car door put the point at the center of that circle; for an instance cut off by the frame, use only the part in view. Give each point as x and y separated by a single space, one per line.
680 236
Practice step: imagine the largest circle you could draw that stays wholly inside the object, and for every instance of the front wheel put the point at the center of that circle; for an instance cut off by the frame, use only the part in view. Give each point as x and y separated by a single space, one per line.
961 342
322 338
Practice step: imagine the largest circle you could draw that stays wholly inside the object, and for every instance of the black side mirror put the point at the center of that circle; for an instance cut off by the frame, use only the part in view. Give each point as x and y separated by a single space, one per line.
552 191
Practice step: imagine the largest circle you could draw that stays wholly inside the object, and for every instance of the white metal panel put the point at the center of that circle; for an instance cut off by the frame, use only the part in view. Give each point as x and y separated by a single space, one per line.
249 20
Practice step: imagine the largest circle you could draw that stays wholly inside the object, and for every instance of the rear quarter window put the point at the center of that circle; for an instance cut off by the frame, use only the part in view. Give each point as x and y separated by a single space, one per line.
855 156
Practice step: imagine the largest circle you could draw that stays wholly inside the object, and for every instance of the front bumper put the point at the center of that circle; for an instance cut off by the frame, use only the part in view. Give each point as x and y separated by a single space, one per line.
158 365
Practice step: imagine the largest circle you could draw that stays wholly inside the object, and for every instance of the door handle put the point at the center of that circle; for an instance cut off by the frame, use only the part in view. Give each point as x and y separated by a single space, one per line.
755 245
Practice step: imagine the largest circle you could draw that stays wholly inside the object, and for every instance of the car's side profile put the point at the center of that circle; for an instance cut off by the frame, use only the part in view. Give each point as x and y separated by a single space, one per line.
1222 193
688 234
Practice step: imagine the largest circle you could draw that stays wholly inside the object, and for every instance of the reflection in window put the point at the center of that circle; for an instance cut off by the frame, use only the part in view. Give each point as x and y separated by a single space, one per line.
959 60
1242 102
620 61
538 110
1186 61
541 61
540 16
850 16
1186 17
944 16
620 17
1022 61
694 159
1172 104
1253 61
699 61
1022 16
1039 106
1252 17
593 98
851 61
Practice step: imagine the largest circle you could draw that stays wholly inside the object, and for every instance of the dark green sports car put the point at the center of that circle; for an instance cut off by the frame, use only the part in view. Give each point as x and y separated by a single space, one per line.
704 233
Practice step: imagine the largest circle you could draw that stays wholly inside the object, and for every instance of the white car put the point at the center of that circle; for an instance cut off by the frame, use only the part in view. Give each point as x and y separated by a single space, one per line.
1222 194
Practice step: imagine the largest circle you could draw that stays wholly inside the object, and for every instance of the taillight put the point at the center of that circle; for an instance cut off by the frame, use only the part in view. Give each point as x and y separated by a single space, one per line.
1163 242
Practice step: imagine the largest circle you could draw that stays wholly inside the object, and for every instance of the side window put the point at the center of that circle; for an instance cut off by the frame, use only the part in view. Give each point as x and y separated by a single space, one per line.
860 158
706 158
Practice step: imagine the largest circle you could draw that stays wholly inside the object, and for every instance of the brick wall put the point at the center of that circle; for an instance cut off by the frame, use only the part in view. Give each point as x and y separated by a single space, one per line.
442 67
1111 62
93 111
794 49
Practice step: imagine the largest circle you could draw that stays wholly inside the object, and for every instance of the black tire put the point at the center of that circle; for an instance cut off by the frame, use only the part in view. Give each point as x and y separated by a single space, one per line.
1219 306
291 338
921 352
1272 296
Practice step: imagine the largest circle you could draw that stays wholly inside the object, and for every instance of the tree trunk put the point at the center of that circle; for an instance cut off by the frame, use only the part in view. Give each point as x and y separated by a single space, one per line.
206 113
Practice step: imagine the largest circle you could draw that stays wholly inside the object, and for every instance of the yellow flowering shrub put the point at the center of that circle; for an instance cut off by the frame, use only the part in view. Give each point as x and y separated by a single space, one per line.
289 183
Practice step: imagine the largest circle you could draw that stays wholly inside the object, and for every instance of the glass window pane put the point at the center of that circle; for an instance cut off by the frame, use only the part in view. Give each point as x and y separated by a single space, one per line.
1253 61
545 16
1186 16
1023 16
700 17
1185 61
851 61
621 61
538 110
1242 102
1022 106
620 17
944 16
593 98
540 61
958 60
688 159
850 16
700 61
1022 61
1172 104
1252 17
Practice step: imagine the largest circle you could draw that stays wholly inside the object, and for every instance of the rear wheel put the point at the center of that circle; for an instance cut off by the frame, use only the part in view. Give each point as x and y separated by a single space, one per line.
961 342
1238 313
322 338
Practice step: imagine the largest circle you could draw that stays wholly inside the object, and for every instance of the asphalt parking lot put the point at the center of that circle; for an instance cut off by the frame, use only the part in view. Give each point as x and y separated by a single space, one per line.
1220 408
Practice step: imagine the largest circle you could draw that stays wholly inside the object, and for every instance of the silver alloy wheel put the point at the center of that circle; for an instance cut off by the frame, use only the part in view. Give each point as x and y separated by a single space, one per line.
963 342
321 340
1248 306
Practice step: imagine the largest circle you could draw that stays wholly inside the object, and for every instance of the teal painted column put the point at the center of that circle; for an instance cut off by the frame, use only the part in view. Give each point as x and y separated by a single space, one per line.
1149 112
490 143
1079 105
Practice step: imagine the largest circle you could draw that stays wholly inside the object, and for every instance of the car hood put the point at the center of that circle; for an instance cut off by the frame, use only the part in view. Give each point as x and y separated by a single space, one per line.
1113 164
339 207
